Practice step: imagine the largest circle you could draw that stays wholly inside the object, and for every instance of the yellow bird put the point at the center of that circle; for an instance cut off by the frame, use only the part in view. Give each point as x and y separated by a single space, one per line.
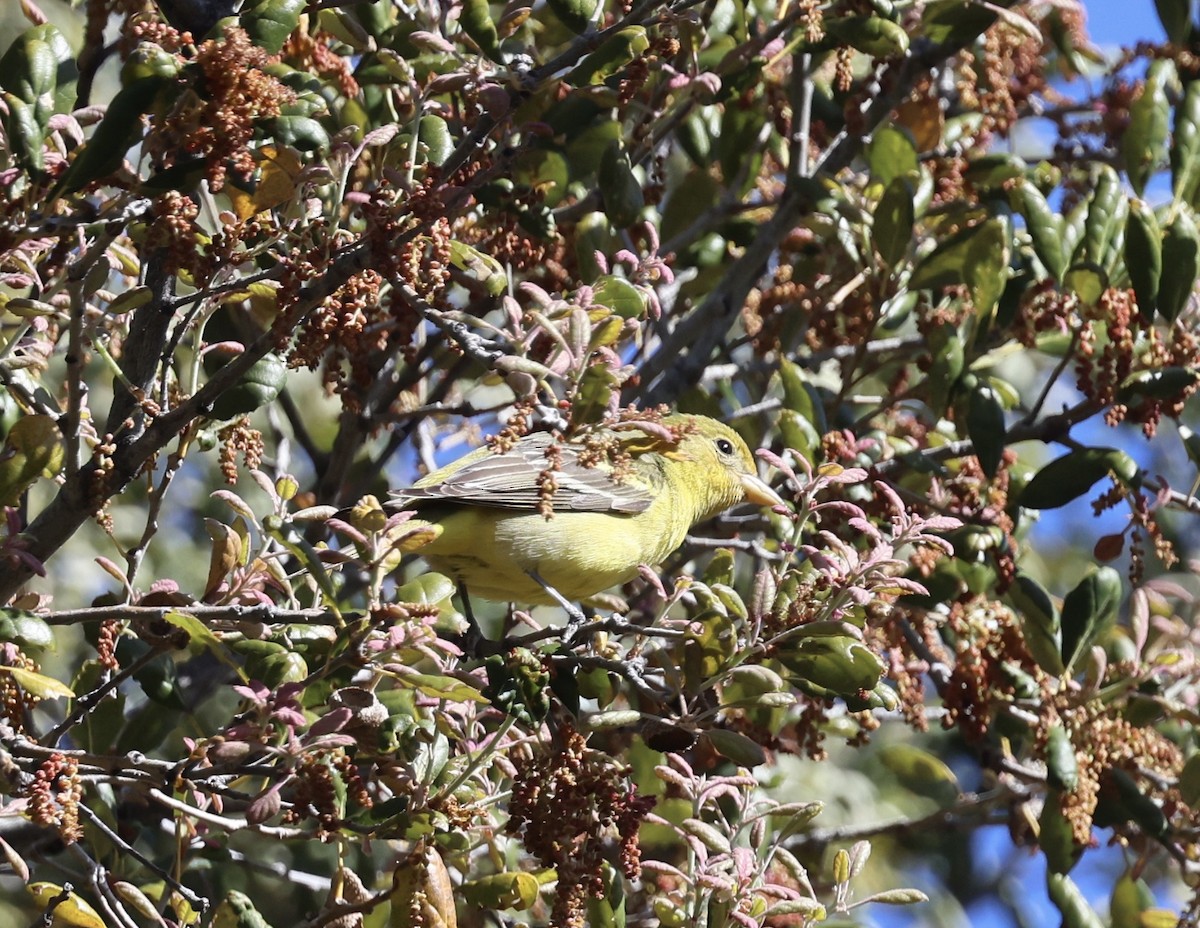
580 517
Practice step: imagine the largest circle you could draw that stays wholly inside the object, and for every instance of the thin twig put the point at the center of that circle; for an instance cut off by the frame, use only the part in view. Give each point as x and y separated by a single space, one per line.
199 903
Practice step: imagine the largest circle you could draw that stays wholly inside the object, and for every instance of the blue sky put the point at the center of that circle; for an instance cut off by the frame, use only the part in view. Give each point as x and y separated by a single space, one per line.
1113 22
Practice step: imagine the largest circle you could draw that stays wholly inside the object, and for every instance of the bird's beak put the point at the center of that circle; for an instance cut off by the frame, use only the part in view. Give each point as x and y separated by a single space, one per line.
757 491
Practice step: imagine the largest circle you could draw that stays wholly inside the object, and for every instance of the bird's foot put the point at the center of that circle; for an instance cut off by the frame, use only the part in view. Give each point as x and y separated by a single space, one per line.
576 620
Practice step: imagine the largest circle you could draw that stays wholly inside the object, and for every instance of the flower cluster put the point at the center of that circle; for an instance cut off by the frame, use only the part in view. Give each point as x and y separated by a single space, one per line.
568 804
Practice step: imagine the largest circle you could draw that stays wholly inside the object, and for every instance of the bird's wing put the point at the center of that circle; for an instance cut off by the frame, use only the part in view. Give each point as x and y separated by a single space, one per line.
511 481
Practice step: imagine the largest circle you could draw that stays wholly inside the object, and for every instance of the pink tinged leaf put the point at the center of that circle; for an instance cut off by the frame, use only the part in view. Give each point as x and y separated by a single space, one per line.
709 83
745 863
699 850
234 502
653 306
111 569
743 919
910 586
431 41
345 528
819 560
494 99
892 497
867 528
266 483
254 690
380 136
656 429
264 805
667 775
940 524
30 561
332 721
15 861
536 293
331 742
849 475
657 866
289 716
1164 587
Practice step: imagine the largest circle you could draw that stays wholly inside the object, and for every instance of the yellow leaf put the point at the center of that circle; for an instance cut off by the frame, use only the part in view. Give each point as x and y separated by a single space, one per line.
40 685
73 910
278 170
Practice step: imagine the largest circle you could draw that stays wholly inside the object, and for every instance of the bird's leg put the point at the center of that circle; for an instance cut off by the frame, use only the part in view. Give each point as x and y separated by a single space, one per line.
472 639
575 617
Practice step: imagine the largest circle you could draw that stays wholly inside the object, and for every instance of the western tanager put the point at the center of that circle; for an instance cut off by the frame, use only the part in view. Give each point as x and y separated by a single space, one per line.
580 516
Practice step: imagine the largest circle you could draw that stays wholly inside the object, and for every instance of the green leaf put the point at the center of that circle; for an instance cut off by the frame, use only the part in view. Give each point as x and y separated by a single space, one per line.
25 136
608 910
946 347
1043 226
620 190
871 35
1143 255
118 132
26 630
734 746
891 229
33 448
1165 383
919 771
270 22
1067 478
985 426
833 666
1040 622
1122 800
617 51
576 15
1176 19
437 686
476 21
545 171
432 588
976 256
479 265
891 154
1100 223
1144 144
1185 145
1087 281
509 890
739 146
1062 766
1181 264
260 385
1076 913
1088 611
619 295
954 23
1055 836
434 134
301 132
1189 781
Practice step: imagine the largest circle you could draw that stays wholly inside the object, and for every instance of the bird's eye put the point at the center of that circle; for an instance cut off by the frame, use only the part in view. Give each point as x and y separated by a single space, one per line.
725 446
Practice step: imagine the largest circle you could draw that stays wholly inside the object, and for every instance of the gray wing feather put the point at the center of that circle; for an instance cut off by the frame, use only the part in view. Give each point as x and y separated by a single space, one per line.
510 481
